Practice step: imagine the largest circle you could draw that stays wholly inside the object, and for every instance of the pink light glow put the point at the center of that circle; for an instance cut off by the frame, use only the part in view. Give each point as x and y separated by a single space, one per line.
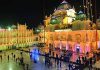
87 49
67 46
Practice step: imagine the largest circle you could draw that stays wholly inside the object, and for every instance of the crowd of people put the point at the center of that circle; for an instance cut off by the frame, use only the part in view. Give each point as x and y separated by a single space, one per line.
53 59
16 58
65 56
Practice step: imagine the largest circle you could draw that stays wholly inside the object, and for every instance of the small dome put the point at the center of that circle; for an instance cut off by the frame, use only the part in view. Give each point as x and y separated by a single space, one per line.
80 12
55 21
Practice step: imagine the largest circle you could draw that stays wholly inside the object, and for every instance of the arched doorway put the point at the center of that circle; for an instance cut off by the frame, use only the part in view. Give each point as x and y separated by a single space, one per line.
77 48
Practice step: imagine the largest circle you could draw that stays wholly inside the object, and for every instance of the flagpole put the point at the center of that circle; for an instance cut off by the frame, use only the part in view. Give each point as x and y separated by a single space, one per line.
96 37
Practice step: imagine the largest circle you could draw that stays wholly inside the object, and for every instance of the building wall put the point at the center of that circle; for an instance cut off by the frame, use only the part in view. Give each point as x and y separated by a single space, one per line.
21 37
85 39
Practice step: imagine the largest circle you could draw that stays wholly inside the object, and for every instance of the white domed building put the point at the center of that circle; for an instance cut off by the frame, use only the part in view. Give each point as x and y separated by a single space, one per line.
64 13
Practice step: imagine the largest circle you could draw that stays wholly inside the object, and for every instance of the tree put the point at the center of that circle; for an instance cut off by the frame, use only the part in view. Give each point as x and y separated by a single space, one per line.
87 24
51 27
77 25
98 23
94 26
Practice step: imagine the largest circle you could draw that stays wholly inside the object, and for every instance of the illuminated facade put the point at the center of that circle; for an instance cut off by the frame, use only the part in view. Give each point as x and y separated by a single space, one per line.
15 38
77 40
84 40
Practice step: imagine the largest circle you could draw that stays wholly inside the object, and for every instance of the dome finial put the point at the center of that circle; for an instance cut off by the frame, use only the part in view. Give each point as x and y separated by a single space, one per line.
64 2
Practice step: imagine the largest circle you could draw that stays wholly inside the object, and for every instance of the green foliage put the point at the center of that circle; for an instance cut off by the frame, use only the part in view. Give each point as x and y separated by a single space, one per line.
80 16
51 28
78 25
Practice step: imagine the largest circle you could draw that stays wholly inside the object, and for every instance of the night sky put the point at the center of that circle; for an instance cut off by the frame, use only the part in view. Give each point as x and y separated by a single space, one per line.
30 12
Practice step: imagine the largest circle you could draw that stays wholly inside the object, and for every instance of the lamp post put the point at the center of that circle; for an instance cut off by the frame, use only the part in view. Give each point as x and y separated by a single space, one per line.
83 6
44 33
96 24
44 20
91 10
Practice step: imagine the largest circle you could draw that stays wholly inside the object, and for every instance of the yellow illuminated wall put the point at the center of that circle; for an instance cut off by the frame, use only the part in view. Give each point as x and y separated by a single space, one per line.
21 37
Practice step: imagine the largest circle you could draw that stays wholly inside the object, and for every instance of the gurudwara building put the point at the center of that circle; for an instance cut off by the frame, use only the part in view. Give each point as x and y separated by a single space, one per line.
57 33
16 38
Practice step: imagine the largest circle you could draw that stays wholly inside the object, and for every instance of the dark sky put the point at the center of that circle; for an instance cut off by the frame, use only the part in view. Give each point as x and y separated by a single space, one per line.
30 11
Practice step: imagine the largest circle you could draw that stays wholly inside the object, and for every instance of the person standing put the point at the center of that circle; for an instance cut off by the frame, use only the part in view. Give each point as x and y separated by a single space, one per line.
56 58
60 60
30 55
16 59
53 53
1 57
45 58
14 56
29 50
83 59
90 64
8 57
69 66
27 66
21 53
4 53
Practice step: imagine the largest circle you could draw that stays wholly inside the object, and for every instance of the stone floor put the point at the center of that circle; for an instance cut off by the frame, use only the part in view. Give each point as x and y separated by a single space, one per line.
13 65
40 65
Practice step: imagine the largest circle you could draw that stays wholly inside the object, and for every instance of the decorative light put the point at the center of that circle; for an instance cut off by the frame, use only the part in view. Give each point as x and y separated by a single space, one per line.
90 4
65 20
9 28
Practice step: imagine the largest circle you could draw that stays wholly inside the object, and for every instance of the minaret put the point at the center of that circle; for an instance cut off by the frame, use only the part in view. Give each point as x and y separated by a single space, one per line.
18 25
55 9
73 8
25 25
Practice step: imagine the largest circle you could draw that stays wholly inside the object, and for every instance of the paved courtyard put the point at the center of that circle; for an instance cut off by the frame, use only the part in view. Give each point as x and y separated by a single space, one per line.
13 64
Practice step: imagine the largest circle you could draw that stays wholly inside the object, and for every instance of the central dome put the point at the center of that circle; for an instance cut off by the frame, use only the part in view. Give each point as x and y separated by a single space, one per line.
64 14
64 5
